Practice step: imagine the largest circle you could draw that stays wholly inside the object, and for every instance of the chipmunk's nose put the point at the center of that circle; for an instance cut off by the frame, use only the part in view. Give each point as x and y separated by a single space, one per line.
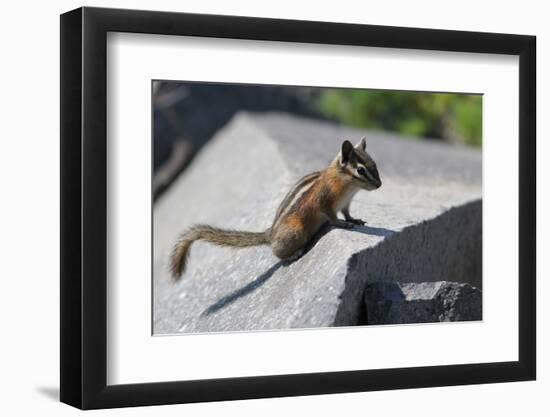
378 182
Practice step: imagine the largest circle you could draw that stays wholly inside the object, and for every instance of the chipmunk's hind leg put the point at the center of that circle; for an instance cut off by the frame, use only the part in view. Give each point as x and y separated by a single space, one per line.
288 246
294 257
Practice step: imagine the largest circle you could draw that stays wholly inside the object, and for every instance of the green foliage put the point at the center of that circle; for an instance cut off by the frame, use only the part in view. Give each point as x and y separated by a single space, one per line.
451 117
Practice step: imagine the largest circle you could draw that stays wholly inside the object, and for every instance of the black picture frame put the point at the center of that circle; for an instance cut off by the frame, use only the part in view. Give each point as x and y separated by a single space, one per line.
84 207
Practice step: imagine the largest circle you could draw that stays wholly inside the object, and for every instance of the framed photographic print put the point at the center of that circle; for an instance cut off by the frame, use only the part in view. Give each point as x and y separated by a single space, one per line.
257 208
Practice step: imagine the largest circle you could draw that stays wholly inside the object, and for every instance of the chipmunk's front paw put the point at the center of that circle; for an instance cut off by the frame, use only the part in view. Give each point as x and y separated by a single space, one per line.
356 221
343 224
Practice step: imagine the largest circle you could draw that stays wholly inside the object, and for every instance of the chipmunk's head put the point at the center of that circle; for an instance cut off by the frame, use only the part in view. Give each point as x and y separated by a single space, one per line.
357 163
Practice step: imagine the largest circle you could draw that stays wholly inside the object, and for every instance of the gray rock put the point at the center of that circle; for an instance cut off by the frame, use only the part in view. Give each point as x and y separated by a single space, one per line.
423 224
423 302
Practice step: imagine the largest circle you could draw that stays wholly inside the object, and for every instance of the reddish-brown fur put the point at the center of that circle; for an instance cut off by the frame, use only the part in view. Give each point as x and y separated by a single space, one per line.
311 211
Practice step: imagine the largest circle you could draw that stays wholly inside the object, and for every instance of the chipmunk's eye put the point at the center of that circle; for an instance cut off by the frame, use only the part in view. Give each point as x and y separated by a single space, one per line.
361 171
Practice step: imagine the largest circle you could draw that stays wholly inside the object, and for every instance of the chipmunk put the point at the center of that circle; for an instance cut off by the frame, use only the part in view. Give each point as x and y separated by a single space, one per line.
313 201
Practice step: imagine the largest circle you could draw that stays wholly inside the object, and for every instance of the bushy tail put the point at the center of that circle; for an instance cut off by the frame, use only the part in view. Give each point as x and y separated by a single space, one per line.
213 235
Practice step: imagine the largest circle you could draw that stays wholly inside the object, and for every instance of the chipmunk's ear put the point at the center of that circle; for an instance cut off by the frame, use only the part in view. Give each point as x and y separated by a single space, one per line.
346 152
362 145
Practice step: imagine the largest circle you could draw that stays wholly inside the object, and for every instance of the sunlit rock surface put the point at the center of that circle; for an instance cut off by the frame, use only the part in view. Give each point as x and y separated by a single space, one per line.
423 225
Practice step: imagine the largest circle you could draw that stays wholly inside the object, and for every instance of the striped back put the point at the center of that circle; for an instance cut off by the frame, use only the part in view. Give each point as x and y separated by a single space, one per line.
294 194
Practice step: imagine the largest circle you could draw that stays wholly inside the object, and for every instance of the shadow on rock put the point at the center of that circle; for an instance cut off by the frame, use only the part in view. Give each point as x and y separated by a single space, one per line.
374 231
421 302
363 229
263 278
241 292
